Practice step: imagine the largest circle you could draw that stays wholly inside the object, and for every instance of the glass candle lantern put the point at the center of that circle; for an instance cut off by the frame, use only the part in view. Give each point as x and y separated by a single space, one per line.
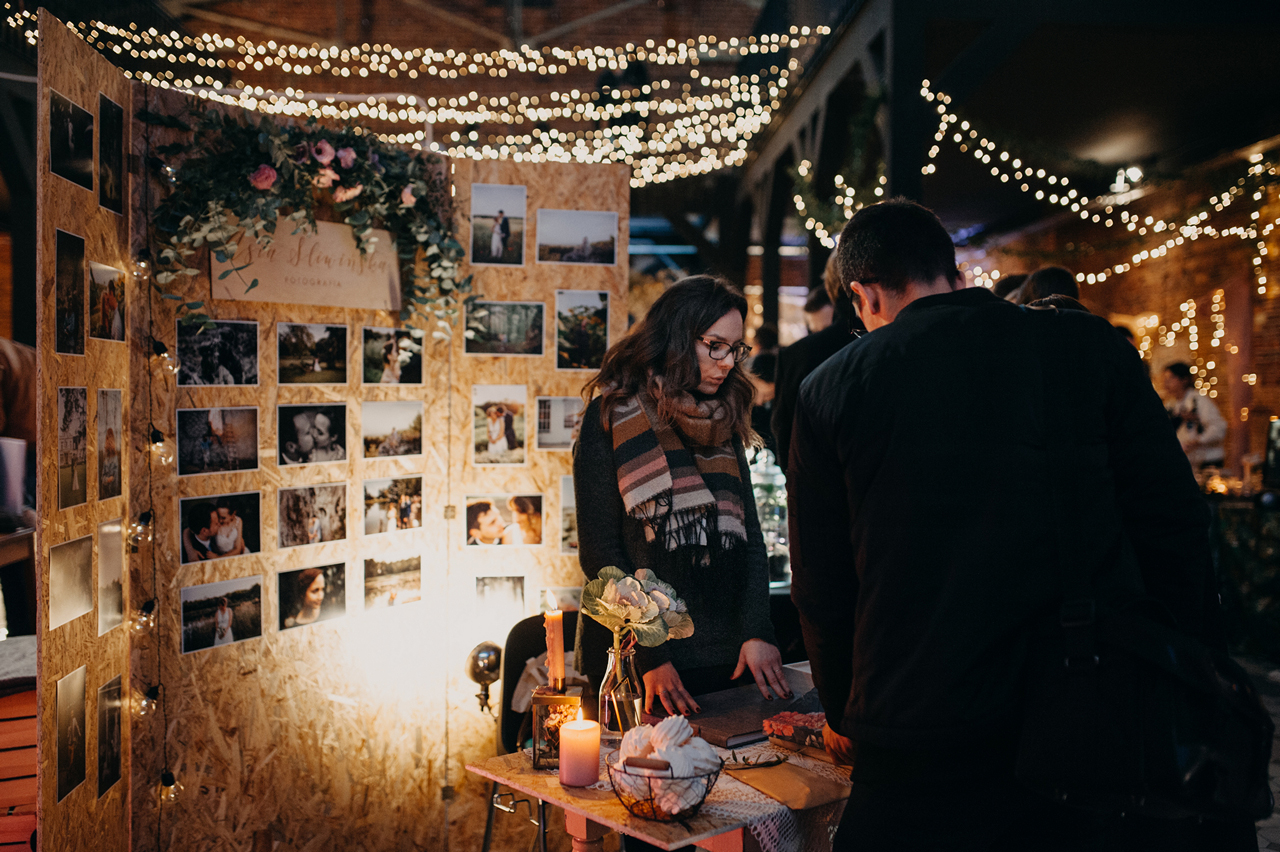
551 709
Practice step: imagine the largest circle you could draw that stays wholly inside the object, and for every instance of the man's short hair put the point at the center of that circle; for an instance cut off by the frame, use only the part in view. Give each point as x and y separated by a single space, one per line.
198 516
1049 281
474 511
1007 284
893 243
818 299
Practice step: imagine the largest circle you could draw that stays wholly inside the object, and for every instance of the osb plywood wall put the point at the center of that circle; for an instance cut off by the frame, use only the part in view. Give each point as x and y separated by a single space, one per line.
352 733
86 818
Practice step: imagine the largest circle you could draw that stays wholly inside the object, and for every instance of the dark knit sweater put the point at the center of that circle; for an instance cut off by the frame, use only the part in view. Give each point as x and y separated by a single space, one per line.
728 599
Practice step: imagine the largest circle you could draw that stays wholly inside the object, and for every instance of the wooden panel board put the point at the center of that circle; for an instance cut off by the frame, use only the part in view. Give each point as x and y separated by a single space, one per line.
76 72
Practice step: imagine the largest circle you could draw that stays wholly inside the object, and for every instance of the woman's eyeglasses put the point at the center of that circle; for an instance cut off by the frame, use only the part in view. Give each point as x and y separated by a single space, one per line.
719 350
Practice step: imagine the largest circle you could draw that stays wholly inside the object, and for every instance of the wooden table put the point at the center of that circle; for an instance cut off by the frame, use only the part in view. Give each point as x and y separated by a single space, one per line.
590 814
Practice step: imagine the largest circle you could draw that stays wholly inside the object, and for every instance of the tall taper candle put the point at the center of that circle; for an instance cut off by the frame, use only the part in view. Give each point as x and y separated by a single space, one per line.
554 623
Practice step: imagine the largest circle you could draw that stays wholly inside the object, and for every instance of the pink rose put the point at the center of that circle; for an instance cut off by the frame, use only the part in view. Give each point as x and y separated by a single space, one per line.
326 177
346 193
347 157
323 152
407 198
264 178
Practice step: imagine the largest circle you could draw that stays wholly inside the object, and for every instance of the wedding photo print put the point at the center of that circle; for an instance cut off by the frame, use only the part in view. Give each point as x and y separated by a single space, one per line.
582 329
578 236
391 428
221 613
70 141
504 328
392 504
70 580
110 575
311 434
220 526
392 356
217 440
558 420
311 353
497 224
312 514
110 441
106 302
71 732
73 447
109 706
504 519
311 595
224 354
110 154
499 424
69 294
392 582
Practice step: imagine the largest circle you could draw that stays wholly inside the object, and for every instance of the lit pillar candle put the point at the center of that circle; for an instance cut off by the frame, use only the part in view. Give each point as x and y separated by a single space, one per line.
579 753
554 623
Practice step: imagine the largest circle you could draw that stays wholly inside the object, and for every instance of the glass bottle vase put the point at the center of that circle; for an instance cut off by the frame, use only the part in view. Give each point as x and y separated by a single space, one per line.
621 692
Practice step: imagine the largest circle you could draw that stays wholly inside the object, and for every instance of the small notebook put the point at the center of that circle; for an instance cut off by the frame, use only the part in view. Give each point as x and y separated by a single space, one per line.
735 717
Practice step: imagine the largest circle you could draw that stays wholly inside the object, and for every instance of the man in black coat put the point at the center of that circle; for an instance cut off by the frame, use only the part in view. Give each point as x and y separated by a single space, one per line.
923 536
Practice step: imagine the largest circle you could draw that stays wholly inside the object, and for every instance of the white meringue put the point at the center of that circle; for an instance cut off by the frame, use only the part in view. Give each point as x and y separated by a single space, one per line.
702 755
671 731
636 742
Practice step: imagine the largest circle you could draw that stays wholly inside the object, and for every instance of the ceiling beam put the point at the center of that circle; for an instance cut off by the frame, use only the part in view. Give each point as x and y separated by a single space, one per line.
570 26
459 21
292 36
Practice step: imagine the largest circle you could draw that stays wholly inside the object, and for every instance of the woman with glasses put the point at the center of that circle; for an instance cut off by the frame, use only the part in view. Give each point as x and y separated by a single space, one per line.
662 483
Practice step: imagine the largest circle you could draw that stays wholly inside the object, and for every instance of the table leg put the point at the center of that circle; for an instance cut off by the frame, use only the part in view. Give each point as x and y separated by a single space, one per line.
587 836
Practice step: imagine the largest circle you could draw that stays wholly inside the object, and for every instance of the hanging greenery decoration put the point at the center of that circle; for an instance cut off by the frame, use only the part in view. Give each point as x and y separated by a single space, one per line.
856 183
236 178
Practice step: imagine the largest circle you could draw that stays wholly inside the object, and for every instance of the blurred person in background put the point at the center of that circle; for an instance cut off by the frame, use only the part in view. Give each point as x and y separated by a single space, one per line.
1044 282
1006 285
818 310
1200 426
762 368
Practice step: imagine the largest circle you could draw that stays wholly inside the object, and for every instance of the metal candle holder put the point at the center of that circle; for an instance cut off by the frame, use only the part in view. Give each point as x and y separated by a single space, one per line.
551 709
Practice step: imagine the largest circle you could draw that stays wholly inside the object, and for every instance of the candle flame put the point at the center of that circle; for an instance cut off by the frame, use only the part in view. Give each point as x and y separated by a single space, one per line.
550 602
579 714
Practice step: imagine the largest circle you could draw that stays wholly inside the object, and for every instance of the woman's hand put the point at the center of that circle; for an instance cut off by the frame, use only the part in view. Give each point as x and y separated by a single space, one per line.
664 682
766 667
839 747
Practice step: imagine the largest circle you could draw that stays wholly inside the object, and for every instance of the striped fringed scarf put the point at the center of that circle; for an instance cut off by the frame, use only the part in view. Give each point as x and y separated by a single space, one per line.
684 496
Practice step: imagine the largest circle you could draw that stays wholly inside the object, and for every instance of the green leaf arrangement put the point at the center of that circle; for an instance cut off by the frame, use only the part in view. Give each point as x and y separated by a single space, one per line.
641 605
236 177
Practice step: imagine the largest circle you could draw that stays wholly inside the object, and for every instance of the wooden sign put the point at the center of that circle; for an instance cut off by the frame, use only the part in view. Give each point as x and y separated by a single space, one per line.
324 268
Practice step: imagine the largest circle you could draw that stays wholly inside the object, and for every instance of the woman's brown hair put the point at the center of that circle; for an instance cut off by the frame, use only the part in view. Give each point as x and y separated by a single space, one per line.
662 344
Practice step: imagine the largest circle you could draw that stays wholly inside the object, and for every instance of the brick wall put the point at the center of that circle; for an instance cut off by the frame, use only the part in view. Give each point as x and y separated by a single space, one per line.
1196 271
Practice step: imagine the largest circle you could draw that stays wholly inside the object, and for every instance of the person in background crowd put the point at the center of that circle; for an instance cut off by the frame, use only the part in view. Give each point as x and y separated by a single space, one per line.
761 369
919 547
1127 333
801 358
1007 284
1200 426
818 310
1044 282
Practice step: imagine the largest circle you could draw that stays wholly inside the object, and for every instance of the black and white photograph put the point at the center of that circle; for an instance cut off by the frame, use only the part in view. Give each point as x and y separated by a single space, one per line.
110 442
70 580
563 598
497 224
226 354
217 440
508 519
110 154
311 353
568 517
392 356
221 613
499 423
109 707
582 329
311 434
558 421
499 603
220 526
578 236
391 428
505 328
71 732
70 141
312 514
392 504
69 278
73 446
312 595
110 575
106 302
392 582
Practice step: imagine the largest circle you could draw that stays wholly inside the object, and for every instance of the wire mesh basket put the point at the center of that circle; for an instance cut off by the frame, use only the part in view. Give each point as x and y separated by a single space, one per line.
663 797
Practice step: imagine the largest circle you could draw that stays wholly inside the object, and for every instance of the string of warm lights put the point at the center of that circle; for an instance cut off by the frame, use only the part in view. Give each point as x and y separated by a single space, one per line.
845 199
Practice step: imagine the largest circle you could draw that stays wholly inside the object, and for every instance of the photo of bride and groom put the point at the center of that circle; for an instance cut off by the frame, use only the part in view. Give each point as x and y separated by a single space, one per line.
497 224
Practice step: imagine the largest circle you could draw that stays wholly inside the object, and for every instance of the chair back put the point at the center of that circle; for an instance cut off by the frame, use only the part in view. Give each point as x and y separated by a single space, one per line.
527 639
